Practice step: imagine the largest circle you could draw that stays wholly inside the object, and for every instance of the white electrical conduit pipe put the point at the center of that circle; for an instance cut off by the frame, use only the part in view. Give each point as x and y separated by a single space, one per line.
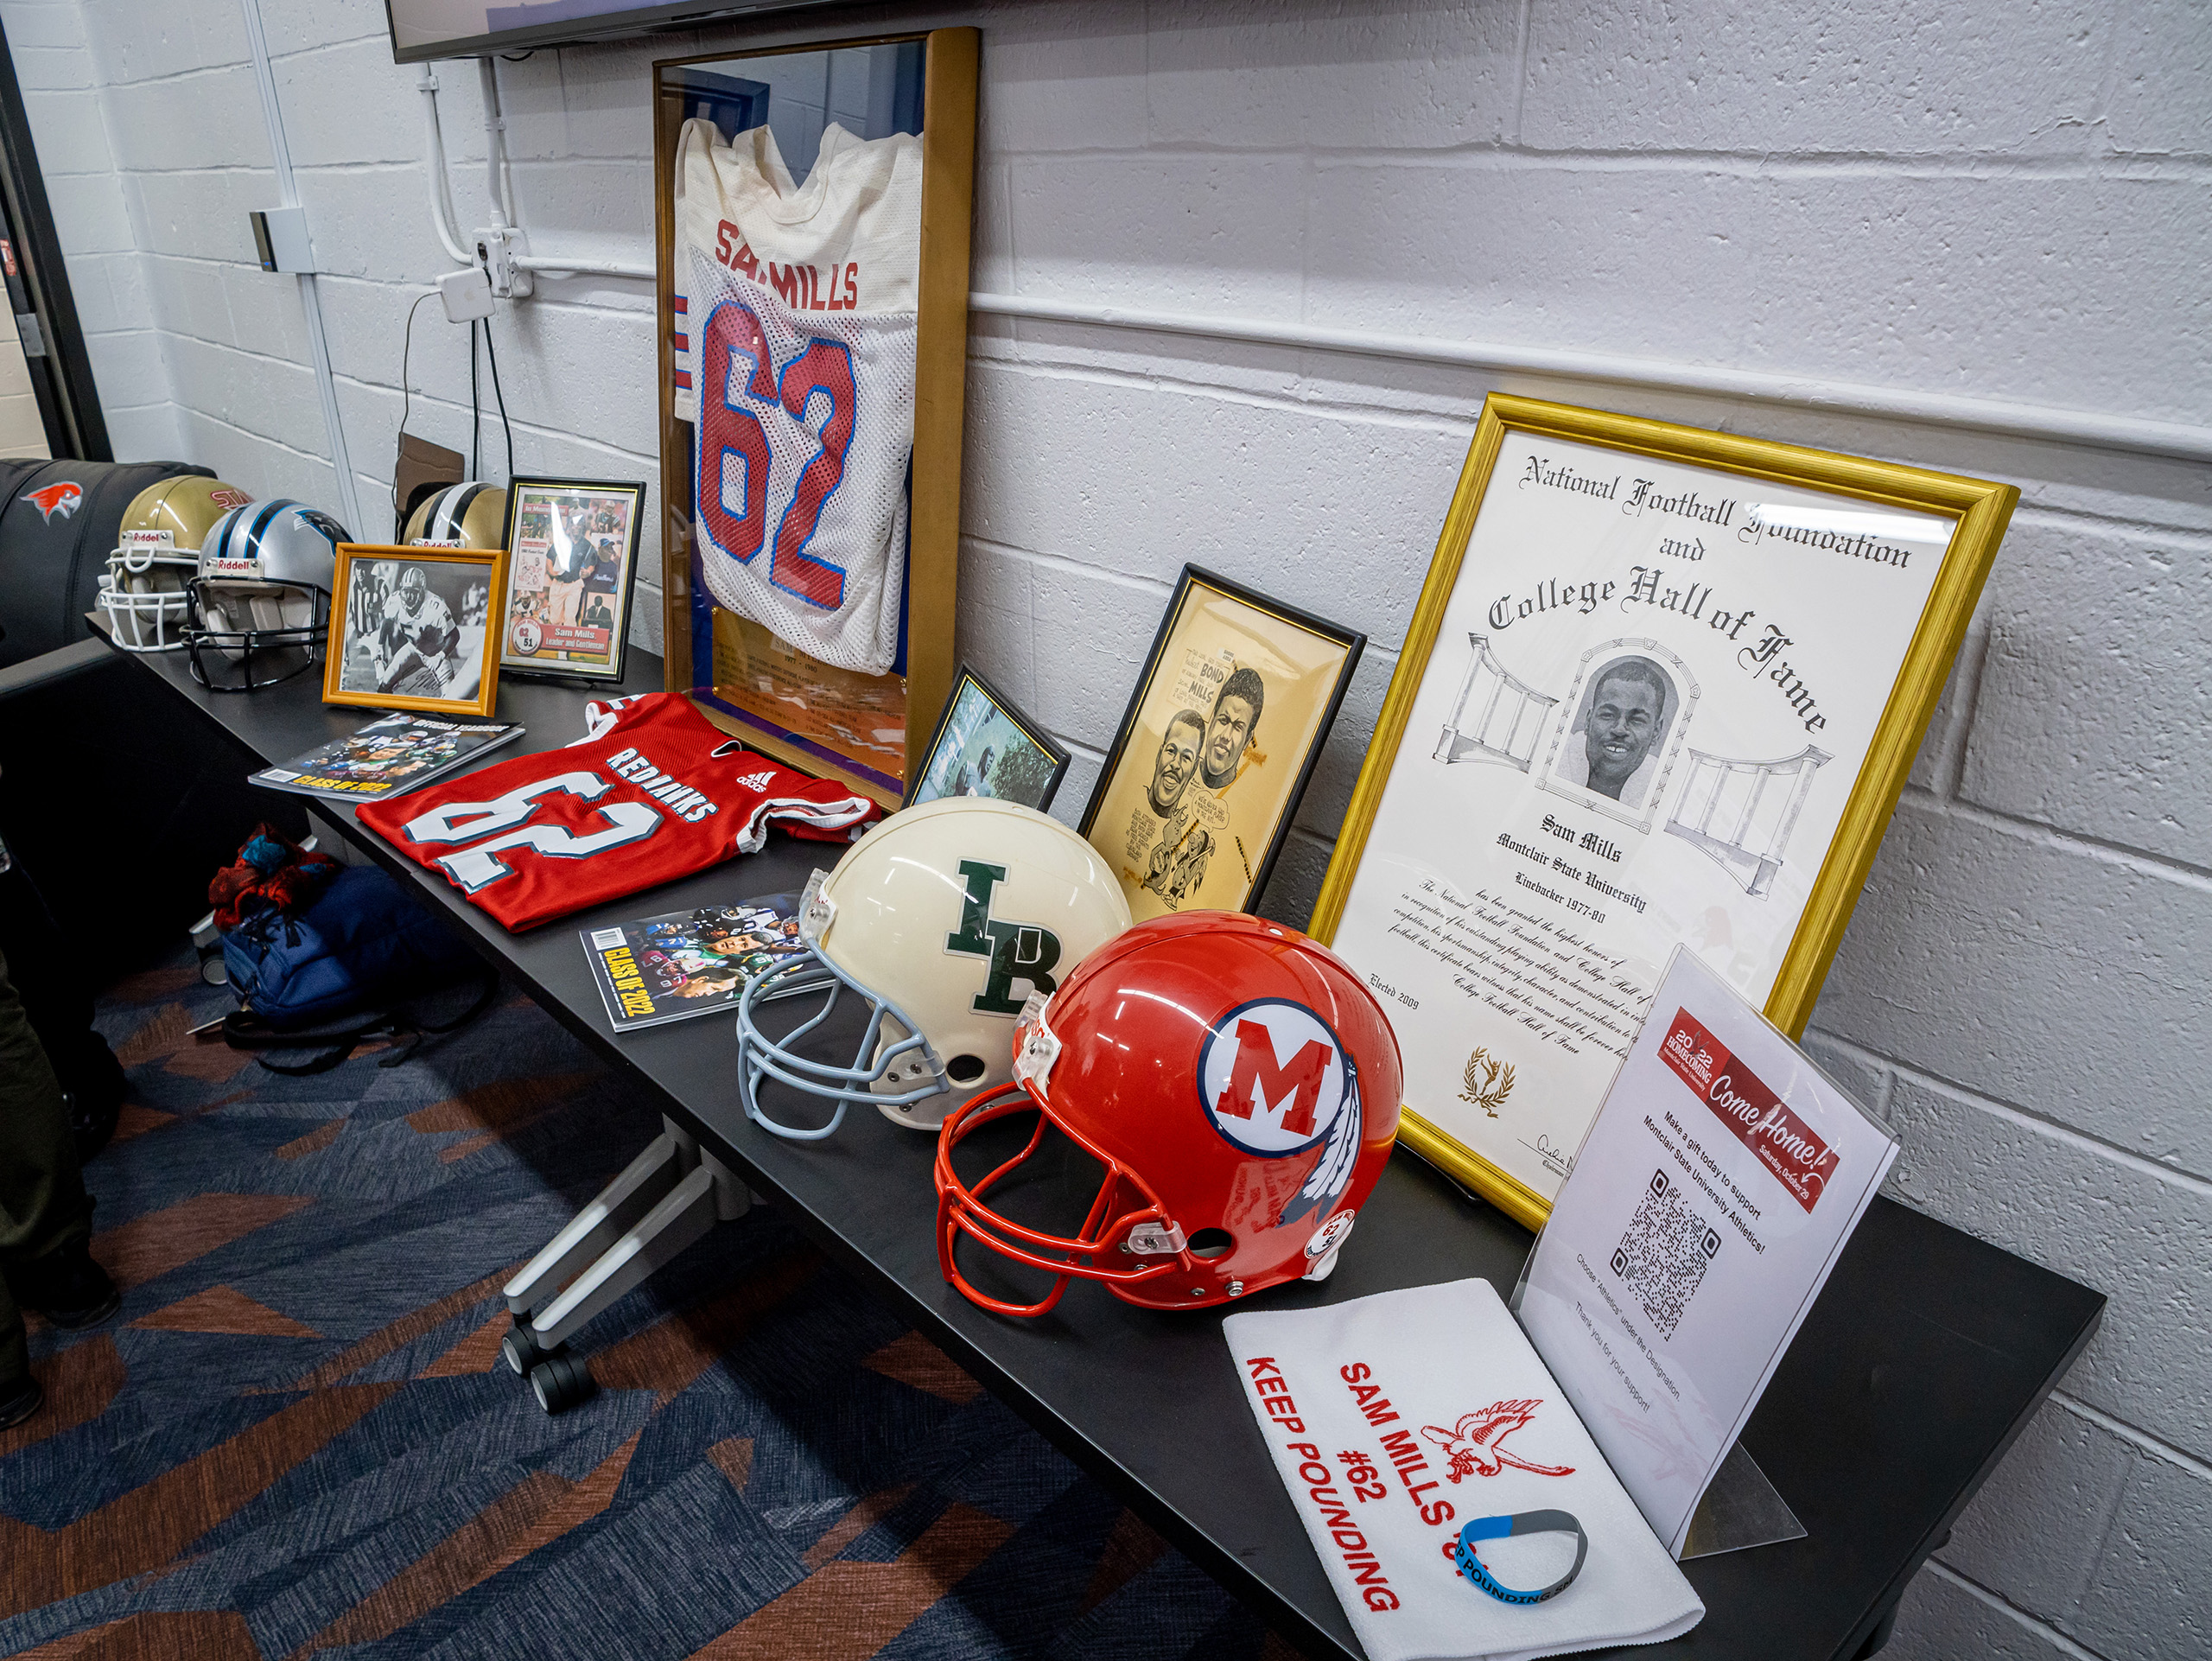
2033 421
495 146
287 195
434 170
1983 415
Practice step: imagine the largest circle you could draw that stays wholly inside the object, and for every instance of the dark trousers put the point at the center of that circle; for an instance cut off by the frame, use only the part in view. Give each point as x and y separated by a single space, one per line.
43 1205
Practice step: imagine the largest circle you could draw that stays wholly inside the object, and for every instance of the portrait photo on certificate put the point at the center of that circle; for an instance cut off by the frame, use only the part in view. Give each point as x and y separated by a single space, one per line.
1661 689
1215 747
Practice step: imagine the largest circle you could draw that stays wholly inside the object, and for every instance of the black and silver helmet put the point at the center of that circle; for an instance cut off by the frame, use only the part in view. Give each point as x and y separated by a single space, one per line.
260 602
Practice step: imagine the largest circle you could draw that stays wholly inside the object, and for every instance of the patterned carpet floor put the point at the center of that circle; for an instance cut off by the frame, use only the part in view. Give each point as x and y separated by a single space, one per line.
298 1438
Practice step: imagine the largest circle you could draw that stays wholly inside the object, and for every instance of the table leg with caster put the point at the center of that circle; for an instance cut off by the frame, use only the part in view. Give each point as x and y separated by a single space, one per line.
668 1197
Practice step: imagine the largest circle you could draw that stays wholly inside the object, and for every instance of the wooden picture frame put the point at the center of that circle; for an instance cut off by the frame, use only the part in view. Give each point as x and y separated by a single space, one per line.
1177 839
371 648
967 755
867 731
1674 681
542 616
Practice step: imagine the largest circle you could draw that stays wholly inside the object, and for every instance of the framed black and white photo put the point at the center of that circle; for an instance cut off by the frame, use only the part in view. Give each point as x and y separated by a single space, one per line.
410 628
572 548
1216 746
984 745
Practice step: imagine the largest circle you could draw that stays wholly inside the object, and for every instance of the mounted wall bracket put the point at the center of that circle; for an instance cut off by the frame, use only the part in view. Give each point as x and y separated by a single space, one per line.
280 237
497 251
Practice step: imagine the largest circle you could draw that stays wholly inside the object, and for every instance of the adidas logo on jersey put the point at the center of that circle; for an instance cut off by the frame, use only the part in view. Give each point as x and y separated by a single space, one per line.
758 780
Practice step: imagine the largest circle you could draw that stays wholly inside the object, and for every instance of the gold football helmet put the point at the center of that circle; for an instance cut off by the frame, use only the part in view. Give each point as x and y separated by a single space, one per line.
473 515
156 553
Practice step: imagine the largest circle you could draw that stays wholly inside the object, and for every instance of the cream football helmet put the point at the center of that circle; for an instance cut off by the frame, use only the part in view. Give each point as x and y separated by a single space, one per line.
474 515
157 552
944 919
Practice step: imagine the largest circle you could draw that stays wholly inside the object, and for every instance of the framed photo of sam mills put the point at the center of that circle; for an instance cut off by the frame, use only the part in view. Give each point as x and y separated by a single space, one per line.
1216 746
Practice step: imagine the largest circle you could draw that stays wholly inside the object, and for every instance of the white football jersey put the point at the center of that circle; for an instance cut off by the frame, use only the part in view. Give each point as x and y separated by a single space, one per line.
794 359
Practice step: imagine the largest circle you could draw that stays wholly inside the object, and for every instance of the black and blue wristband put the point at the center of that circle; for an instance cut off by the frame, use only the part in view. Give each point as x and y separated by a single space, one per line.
1526 1522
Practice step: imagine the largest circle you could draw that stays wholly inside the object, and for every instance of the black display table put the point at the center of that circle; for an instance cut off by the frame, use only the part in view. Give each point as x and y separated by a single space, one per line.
1922 1361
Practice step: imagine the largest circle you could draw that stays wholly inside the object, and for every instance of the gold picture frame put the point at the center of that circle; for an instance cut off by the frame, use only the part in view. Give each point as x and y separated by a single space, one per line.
1717 819
870 732
373 647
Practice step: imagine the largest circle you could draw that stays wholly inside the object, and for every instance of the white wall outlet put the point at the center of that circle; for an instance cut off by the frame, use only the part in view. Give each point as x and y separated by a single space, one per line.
495 252
465 295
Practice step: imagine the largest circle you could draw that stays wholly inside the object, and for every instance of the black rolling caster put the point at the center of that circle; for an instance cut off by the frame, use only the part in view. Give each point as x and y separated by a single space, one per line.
524 1352
562 1383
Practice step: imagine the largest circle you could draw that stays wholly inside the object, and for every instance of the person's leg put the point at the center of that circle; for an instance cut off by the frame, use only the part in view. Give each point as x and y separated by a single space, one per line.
46 1216
58 999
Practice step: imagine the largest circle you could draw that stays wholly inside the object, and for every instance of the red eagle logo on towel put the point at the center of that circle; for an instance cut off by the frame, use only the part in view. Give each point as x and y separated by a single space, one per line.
63 499
1475 1445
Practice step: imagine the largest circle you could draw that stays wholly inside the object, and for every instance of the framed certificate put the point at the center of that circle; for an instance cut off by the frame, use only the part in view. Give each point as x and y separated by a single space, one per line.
1662 687
572 556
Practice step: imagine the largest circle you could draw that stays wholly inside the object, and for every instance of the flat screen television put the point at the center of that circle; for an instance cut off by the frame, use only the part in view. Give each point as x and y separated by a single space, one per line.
472 28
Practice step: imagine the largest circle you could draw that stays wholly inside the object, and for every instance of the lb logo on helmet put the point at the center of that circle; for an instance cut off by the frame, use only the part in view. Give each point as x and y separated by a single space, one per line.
64 499
1272 1078
1025 951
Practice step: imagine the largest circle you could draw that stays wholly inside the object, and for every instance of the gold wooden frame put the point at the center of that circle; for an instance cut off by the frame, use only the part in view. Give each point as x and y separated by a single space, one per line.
492 561
950 72
1982 509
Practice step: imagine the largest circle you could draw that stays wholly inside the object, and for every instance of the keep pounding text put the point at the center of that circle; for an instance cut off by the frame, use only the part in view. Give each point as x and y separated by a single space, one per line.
1365 1479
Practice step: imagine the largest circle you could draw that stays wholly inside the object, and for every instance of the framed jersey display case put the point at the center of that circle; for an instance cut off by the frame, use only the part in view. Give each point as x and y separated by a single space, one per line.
812 210
1661 687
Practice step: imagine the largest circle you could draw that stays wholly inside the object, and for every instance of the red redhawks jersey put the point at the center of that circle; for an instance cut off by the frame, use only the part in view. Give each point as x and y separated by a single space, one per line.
655 794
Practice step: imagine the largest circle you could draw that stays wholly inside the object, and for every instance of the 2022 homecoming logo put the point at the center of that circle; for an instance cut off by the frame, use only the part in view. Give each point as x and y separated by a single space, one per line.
1784 1143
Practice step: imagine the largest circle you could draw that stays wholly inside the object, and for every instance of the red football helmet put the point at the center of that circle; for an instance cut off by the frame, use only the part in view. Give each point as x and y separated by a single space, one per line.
1238 1084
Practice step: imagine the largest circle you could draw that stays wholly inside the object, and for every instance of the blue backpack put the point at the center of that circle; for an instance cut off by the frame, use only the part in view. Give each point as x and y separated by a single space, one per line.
357 952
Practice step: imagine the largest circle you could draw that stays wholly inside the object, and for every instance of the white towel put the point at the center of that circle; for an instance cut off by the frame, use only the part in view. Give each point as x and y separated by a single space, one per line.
1456 1417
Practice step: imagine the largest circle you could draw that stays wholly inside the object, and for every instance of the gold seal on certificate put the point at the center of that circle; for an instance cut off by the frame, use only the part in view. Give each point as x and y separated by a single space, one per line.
1661 689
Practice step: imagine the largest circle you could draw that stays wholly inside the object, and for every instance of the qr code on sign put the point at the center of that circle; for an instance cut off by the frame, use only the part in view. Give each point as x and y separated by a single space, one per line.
1663 1257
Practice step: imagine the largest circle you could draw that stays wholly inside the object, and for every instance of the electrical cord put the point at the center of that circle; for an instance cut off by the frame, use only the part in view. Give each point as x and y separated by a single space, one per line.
475 471
492 354
406 347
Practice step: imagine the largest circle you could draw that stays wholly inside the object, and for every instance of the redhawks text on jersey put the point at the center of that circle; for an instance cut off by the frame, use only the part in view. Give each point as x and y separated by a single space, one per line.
656 794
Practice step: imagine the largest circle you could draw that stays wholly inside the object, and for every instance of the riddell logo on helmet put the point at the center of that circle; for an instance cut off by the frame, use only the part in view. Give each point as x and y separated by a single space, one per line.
1273 1077
63 499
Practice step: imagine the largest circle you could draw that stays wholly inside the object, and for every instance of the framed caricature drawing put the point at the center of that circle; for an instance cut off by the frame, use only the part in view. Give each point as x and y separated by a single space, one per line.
572 548
1216 747
1662 688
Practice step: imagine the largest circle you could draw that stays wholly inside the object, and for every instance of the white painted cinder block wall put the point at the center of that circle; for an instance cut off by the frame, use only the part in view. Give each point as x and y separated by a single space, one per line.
2001 201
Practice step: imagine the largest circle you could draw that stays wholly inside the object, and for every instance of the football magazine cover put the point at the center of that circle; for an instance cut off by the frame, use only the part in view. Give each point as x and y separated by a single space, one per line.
388 757
689 963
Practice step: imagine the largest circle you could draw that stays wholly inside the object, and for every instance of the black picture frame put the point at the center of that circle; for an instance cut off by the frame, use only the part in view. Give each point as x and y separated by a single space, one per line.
568 672
966 677
1352 642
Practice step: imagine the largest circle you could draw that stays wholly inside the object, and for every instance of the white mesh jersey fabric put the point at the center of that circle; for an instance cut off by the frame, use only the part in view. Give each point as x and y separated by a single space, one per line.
795 317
